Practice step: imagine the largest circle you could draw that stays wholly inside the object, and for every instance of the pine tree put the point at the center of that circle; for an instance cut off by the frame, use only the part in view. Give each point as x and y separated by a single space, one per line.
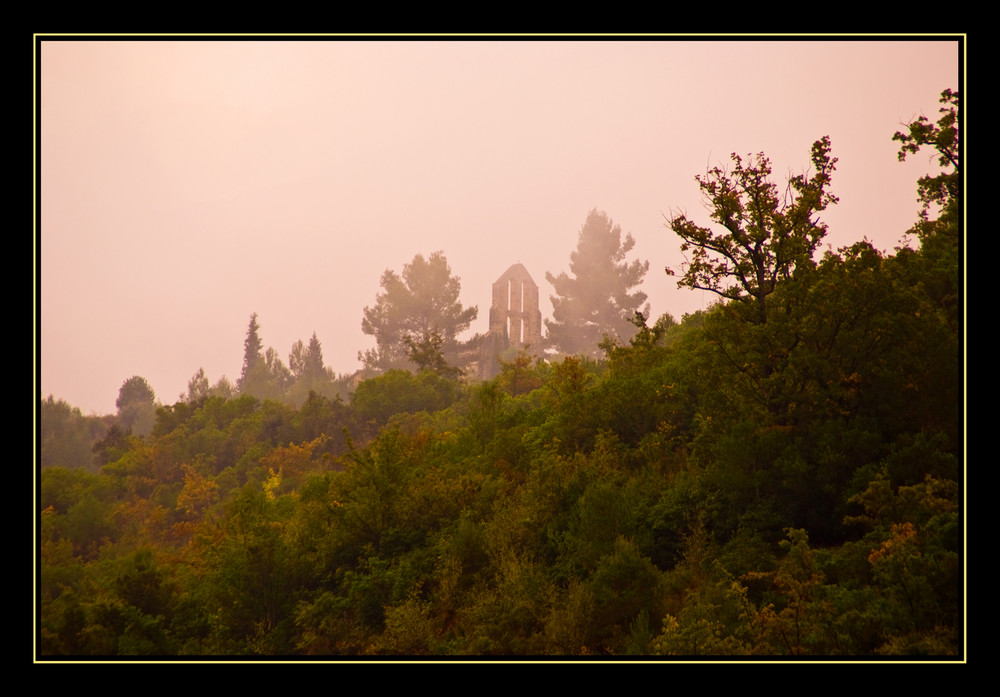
421 302
136 405
596 301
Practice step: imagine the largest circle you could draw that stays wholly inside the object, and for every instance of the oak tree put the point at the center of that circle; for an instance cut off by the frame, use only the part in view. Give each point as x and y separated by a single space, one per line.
944 189
940 193
764 237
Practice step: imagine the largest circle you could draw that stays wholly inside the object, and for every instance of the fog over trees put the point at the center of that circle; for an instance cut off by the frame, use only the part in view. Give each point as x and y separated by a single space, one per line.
779 475
600 297
192 181
421 302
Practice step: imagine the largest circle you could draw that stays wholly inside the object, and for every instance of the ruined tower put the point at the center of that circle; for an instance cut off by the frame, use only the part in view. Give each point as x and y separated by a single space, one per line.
515 319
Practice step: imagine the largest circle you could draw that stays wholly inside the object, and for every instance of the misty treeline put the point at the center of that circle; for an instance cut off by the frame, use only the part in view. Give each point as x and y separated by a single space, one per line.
779 475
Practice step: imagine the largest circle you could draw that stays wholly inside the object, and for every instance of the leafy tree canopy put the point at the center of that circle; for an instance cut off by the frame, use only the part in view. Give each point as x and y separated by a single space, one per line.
428 355
399 391
944 189
940 193
764 238
716 487
66 435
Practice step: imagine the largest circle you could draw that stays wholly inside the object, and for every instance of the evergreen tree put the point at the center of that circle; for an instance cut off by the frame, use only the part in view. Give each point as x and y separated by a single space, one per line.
136 405
308 372
314 359
251 352
421 302
264 375
597 300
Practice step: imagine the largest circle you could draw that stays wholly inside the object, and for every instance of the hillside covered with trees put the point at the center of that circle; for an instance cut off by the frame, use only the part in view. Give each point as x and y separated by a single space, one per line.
780 475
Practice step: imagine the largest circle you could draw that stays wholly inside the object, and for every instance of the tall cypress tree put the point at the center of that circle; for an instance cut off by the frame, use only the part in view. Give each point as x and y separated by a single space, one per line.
251 351
314 359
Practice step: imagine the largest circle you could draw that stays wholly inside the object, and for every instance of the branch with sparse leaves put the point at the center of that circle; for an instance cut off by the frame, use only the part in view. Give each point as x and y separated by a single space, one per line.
763 239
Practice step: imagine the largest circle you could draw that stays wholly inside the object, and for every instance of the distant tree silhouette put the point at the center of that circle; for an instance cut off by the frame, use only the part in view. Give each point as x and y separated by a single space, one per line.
597 300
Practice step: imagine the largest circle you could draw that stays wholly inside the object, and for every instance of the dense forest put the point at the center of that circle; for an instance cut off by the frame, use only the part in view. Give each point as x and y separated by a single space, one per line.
779 475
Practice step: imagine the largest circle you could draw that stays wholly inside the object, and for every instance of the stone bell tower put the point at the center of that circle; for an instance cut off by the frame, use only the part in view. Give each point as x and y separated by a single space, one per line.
515 319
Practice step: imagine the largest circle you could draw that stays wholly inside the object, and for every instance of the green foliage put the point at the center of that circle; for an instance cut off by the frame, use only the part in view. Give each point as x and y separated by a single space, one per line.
135 390
252 347
598 299
198 388
309 375
399 391
715 619
483 412
724 486
112 446
89 525
942 194
943 190
136 405
765 239
252 577
517 375
143 585
322 416
267 378
307 363
67 437
428 354
626 587
421 302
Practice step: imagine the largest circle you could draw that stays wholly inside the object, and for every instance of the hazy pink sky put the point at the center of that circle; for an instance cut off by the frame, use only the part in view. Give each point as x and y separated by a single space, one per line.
186 185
